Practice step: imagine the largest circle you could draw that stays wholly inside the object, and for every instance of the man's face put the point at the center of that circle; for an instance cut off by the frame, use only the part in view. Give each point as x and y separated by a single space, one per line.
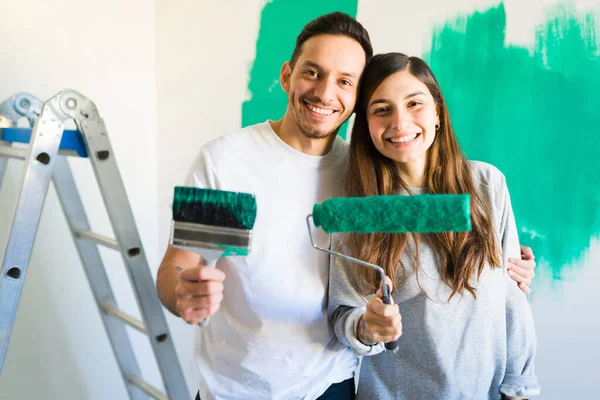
322 87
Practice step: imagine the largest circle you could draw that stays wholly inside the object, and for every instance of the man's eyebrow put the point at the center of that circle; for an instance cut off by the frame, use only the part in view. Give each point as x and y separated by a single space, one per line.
313 64
309 63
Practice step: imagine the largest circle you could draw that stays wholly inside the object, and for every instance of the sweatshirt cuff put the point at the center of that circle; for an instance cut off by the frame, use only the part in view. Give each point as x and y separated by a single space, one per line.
520 385
351 328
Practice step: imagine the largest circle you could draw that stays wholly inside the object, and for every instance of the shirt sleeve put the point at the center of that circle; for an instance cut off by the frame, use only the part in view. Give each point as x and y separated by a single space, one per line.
519 378
346 305
202 172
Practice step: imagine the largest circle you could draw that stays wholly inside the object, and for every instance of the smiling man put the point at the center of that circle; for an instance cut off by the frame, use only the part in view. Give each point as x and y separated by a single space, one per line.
321 82
270 338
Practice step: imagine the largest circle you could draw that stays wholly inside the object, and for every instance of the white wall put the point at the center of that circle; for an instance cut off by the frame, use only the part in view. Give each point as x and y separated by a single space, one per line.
568 328
105 50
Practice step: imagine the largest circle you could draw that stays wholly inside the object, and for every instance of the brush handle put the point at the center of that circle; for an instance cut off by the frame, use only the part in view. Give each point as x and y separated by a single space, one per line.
391 347
211 264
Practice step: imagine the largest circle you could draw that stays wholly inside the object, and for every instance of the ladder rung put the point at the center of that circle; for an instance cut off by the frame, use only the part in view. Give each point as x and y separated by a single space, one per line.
13 152
98 238
126 318
147 388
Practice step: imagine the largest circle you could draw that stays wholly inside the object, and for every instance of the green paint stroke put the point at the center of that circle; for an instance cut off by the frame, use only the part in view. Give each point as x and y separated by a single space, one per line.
281 21
535 115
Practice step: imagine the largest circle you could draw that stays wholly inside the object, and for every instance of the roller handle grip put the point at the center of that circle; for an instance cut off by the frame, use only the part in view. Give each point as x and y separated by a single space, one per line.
390 347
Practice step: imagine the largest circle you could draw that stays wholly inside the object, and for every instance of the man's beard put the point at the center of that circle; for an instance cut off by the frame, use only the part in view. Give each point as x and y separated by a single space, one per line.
316 134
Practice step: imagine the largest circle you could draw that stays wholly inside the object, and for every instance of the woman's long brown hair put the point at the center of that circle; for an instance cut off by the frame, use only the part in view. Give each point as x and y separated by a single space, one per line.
461 254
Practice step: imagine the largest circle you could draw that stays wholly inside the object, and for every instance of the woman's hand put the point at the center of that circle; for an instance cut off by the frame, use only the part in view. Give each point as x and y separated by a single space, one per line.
381 322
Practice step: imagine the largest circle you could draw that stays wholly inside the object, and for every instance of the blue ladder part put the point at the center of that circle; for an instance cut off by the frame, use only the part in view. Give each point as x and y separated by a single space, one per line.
71 140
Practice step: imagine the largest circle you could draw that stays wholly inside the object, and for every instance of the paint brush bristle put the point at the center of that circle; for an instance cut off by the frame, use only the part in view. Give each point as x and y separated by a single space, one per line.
214 207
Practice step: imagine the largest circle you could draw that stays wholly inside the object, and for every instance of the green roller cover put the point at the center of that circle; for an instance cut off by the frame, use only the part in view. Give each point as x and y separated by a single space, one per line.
424 213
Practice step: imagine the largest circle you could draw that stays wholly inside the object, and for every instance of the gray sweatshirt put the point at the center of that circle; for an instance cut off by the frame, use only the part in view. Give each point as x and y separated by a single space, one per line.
460 349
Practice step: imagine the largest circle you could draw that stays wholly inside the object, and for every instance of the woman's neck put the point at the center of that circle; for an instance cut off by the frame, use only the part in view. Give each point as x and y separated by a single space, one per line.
413 172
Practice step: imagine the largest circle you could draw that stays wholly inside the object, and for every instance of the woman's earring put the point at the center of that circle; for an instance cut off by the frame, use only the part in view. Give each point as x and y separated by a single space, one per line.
437 126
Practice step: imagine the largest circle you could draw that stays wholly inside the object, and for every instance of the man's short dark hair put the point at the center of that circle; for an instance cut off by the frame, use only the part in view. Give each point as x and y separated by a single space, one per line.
336 23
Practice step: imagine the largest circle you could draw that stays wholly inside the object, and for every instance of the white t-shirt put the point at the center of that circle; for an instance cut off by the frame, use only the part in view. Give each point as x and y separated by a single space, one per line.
271 338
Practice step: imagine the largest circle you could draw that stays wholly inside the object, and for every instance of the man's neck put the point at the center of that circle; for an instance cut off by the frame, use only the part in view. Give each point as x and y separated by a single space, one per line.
293 137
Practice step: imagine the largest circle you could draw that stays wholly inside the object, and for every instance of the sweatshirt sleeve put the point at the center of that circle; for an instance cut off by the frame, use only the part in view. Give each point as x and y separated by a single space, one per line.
519 378
346 306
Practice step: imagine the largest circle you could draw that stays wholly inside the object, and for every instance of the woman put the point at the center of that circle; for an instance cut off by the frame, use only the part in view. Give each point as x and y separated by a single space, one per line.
467 330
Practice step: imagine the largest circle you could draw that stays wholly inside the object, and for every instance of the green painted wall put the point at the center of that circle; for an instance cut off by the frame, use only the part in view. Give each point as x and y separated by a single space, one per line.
535 114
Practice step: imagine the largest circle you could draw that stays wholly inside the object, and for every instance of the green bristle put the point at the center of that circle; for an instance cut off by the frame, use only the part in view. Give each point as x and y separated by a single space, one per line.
424 213
214 207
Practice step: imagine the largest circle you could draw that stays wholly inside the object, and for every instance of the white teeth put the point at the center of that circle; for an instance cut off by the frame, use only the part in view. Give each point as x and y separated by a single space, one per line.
403 139
322 111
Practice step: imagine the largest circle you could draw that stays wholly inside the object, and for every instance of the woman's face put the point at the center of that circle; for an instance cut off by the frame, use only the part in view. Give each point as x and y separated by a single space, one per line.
402 117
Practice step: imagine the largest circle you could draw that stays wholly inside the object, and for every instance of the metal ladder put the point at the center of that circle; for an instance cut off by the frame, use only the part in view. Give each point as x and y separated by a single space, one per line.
43 163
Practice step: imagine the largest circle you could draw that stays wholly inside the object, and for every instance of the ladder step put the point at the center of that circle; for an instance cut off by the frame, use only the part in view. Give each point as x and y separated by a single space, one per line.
71 141
126 318
147 388
99 239
13 152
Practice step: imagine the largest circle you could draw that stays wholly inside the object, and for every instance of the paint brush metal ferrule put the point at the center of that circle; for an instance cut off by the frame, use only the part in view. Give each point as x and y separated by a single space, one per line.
191 235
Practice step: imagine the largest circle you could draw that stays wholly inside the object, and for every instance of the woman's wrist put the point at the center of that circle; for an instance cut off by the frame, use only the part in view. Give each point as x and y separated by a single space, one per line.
363 334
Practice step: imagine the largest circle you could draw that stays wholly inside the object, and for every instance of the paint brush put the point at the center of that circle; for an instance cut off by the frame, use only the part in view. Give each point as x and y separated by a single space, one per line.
212 223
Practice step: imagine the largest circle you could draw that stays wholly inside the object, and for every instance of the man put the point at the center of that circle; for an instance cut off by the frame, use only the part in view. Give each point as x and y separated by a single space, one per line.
271 338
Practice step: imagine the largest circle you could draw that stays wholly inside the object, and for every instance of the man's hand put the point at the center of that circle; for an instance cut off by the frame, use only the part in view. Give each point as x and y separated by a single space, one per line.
522 271
381 322
199 293
186 287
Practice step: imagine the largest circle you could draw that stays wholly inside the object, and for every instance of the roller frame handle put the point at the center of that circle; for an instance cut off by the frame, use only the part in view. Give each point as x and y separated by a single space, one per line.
390 347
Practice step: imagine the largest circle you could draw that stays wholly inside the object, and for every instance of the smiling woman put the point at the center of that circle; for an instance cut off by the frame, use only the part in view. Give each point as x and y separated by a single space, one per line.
403 119
451 287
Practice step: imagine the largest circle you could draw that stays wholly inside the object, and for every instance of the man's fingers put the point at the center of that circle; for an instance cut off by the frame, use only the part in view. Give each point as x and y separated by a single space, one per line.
527 253
194 316
202 274
520 274
194 309
197 302
516 277
197 288
527 264
525 288
523 282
